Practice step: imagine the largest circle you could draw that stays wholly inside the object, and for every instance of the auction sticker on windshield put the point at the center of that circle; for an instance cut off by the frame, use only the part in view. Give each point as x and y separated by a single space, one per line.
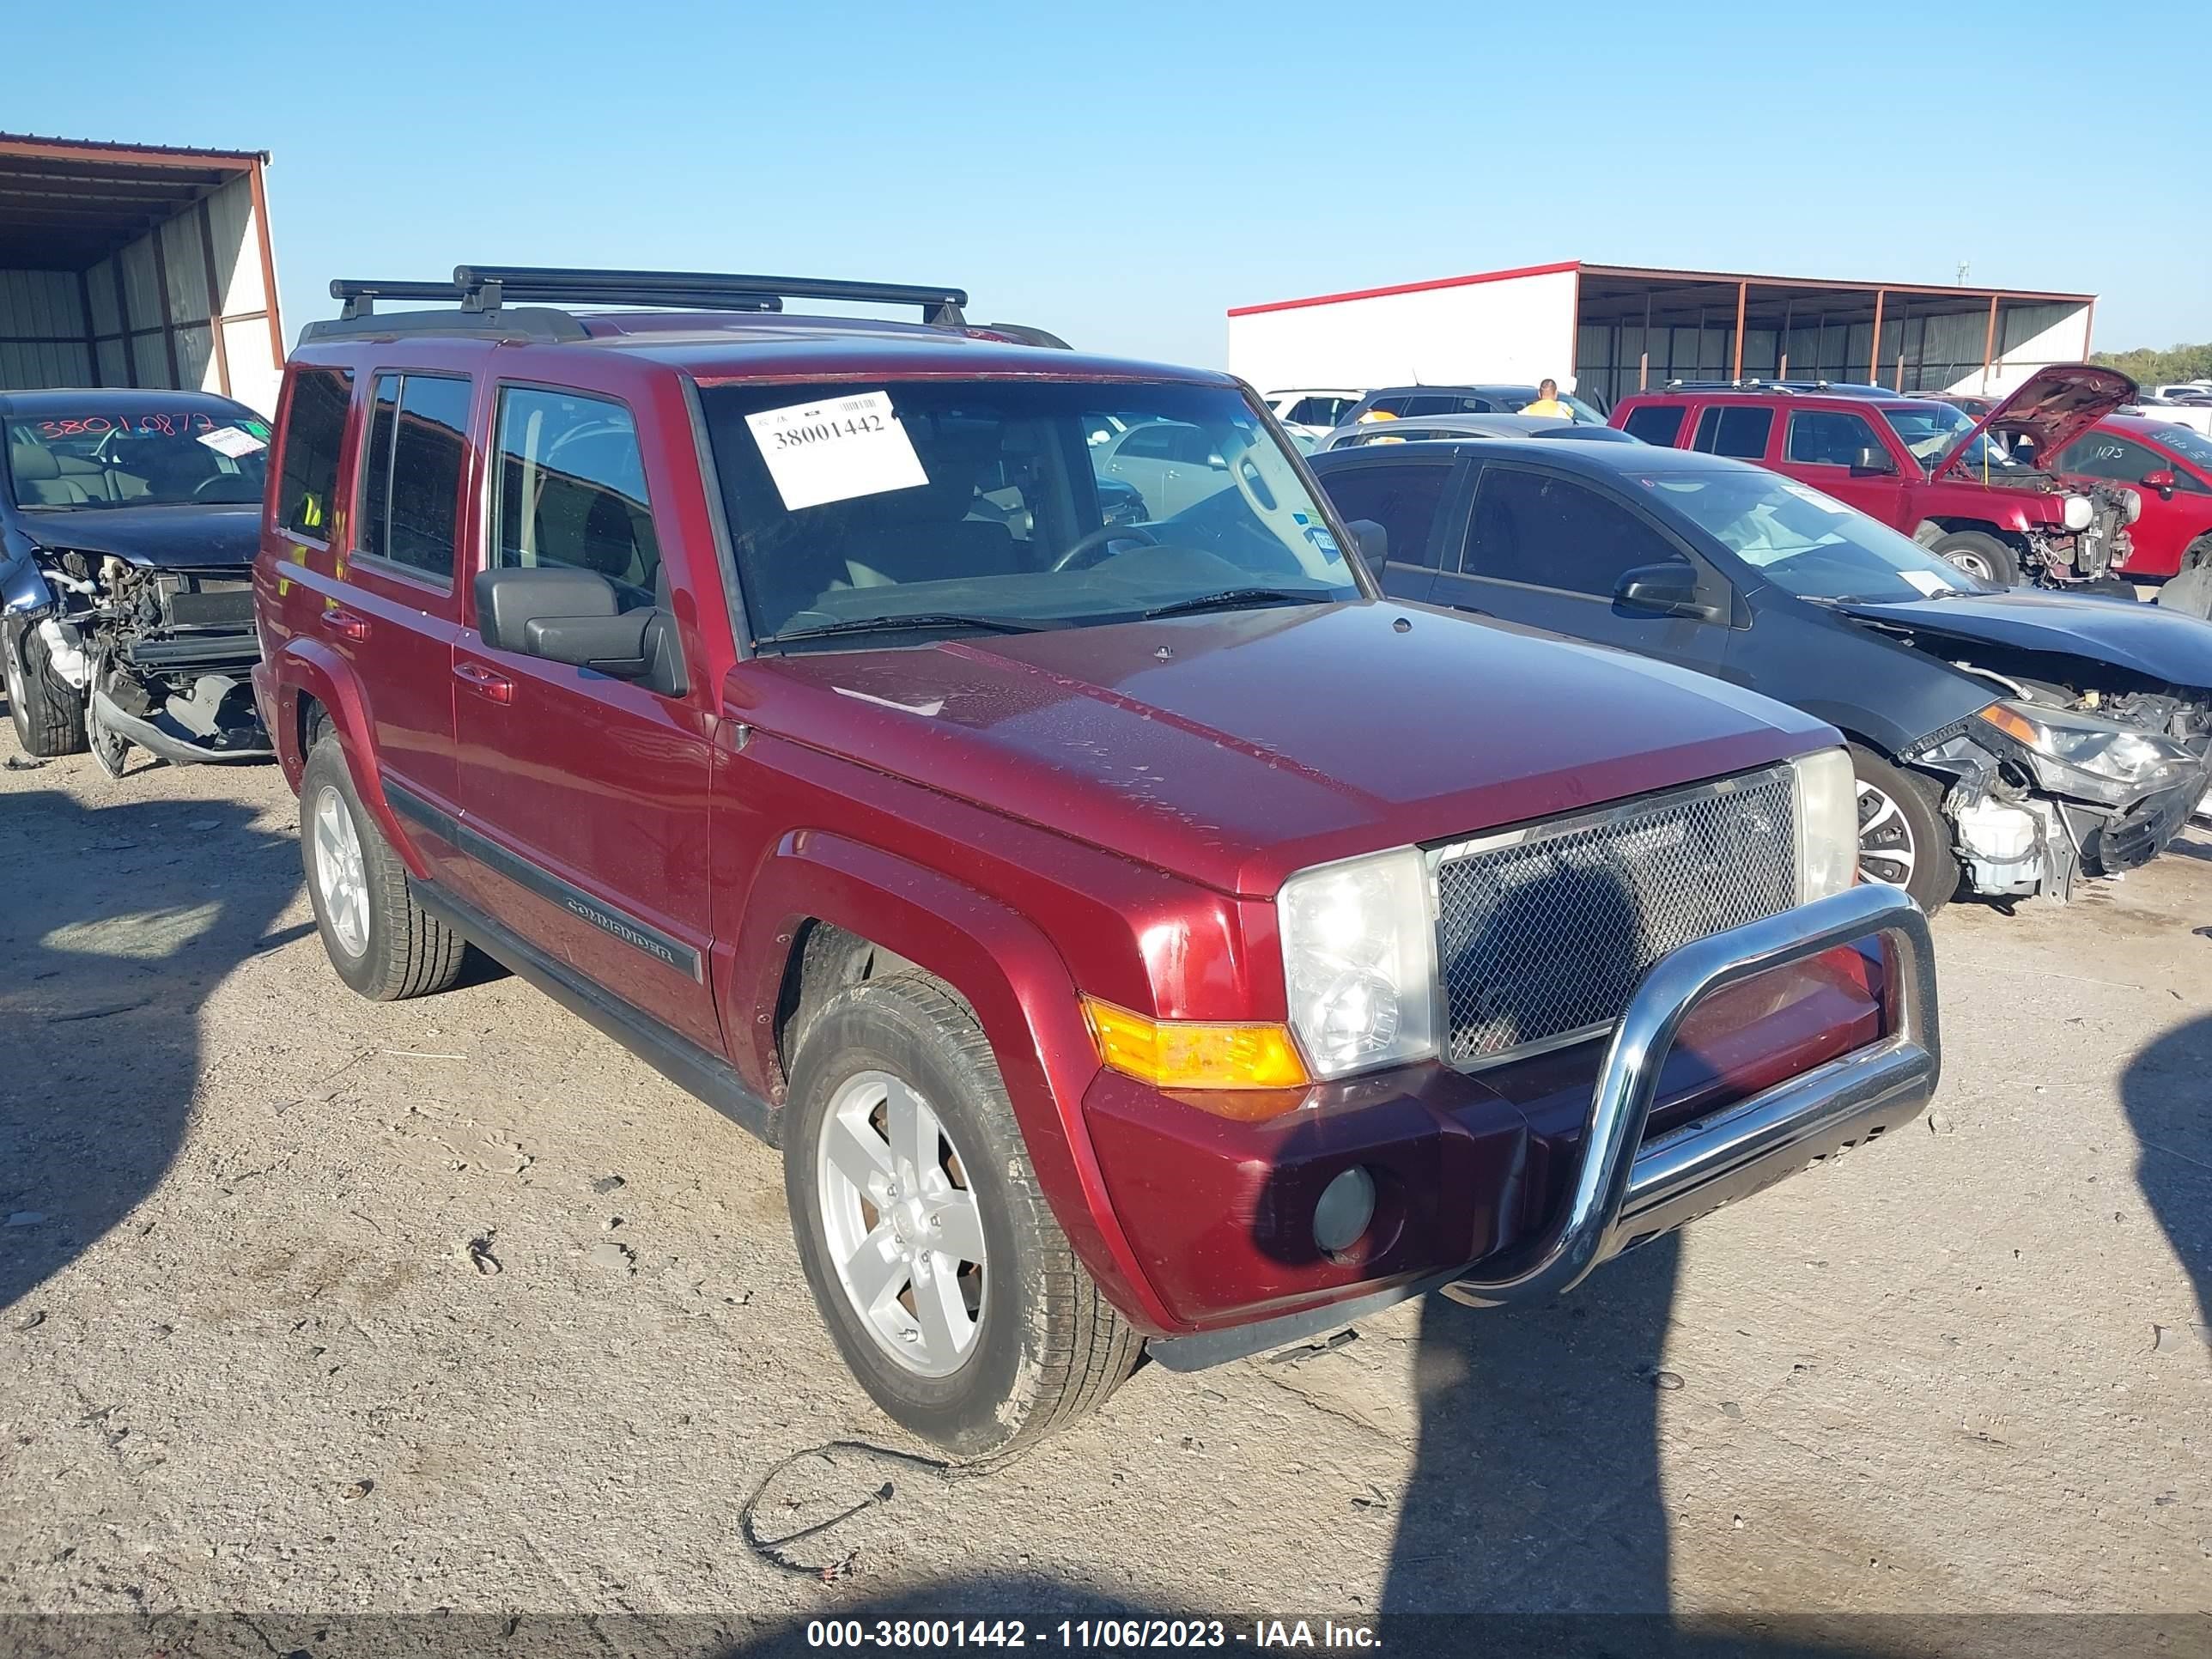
233 441
836 449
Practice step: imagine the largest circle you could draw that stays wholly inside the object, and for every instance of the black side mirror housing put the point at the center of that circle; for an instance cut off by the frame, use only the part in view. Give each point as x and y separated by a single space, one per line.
1373 541
1871 460
576 617
1665 590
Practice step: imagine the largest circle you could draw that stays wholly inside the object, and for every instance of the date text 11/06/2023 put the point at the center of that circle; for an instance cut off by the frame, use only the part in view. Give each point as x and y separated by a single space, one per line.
1086 1635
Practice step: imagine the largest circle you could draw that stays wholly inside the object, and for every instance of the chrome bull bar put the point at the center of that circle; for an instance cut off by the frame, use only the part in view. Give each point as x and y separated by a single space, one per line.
1626 1191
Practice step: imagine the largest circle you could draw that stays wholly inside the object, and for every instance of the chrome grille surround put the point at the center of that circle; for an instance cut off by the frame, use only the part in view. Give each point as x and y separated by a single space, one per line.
1544 932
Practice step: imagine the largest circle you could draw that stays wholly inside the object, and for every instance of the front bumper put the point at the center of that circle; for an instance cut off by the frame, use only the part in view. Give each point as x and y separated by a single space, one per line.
1636 1174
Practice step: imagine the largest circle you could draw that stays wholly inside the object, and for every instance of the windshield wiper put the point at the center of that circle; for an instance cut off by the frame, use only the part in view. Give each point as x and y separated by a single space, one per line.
901 623
1237 596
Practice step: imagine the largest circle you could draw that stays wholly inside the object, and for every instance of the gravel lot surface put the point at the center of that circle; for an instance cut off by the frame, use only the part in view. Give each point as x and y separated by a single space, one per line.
309 1305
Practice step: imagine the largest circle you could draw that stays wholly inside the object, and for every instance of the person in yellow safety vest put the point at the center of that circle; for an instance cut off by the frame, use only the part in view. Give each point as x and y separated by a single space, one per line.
1547 403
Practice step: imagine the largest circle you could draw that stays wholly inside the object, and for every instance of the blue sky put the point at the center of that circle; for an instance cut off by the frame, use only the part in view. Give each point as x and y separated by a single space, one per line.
1122 173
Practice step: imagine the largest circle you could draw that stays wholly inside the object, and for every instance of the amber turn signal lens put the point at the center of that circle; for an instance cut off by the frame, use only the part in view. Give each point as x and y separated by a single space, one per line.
2013 724
1175 1053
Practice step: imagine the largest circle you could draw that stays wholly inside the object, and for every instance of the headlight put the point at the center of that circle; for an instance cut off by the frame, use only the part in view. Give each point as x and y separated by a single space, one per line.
1359 962
2095 757
2081 512
1827 823
2134 508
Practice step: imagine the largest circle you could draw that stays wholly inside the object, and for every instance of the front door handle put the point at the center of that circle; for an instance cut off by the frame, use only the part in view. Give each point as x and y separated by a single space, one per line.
487 683
345 624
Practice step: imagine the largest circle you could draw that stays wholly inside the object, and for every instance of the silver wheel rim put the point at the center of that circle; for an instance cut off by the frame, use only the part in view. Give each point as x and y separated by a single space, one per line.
1973 564
340 876
15 684
901 1221
1888 853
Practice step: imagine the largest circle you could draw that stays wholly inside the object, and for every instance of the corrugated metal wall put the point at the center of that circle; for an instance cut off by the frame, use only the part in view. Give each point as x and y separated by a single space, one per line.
152 312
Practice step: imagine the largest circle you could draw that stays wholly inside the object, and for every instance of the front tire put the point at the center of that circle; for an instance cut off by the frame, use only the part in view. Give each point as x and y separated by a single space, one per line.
949 1287
1903 840
382 943
47 710
1980 554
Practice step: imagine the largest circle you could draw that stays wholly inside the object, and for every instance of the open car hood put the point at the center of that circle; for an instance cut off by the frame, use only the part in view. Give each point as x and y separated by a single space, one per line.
2159 644
2055 406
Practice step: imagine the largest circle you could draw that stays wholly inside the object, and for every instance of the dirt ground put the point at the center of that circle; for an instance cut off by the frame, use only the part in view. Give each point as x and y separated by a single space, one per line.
310 1305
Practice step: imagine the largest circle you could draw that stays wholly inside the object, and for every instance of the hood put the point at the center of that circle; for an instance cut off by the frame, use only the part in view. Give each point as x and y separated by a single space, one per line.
1235 747
2056 405
2160 644
178 537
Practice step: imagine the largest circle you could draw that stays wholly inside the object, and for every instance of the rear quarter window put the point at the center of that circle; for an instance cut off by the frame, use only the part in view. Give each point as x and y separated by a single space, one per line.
1656 424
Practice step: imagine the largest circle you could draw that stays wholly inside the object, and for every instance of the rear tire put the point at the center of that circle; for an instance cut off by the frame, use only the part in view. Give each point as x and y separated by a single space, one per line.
1980 554
1029 1343
382 943
48 711
1903 840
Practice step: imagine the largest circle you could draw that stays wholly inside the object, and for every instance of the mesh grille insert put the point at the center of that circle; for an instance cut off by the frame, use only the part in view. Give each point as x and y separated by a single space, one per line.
1550 934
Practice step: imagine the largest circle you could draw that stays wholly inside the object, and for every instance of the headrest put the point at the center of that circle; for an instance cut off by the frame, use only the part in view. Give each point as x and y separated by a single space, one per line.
30 461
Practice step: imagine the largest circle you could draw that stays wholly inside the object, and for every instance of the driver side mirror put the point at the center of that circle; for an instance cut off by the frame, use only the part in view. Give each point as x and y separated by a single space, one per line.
1373 541
575 616
2162 481
1665 590
1872 460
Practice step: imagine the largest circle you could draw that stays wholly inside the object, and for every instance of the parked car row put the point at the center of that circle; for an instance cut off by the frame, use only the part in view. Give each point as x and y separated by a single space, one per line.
1155 907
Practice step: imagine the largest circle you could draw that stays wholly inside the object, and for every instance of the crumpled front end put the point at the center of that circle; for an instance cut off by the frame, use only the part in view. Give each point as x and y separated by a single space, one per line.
161 657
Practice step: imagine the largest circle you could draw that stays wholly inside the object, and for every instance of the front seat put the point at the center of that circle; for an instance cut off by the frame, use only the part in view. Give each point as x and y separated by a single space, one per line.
39 480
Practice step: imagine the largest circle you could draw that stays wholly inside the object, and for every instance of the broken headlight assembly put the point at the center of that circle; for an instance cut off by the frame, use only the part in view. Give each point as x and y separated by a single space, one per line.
2071 753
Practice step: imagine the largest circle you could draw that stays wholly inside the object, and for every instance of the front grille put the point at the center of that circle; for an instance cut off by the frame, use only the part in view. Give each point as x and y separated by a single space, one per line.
1544 933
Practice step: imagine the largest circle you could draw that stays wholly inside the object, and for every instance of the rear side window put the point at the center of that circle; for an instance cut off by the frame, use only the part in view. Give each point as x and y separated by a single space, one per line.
411 498
1656 424
314 432
1733 429
1546 531
1830 437
1317 411
571 490
1404 497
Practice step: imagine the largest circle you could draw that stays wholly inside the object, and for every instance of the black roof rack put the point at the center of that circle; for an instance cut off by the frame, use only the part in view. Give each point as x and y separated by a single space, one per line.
1829 388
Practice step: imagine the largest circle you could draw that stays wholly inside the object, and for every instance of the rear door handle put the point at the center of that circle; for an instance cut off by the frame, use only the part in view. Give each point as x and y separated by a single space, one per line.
345 624
488 683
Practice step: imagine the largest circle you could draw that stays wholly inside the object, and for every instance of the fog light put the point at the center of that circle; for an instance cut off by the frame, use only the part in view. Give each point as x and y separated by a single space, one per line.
1347 1204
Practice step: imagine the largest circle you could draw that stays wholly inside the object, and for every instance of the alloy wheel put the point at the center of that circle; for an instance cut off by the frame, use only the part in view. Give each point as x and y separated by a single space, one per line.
902 1223
1887 851
341 877
1972 563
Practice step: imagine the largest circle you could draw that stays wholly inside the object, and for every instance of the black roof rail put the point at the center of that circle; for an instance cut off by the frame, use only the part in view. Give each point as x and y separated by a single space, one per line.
487 286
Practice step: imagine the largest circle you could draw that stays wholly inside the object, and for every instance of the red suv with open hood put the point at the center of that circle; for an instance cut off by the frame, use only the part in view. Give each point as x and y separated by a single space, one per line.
1052 876
1979 491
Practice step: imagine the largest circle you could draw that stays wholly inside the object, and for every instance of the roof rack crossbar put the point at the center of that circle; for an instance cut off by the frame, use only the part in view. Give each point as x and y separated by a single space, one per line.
488 287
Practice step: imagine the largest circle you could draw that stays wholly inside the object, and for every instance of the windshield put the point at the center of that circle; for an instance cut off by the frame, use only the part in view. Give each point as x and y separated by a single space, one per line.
150 459
1929 429
1020 502
1806 542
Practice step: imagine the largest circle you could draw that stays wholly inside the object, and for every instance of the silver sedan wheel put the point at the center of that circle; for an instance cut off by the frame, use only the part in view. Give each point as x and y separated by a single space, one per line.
341 878
903 1230
1887 851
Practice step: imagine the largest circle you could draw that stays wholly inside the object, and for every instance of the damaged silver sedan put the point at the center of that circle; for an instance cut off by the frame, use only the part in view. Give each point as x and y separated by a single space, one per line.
127 526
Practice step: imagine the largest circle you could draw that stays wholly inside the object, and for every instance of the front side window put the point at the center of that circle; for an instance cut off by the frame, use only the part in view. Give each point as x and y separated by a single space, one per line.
984 505
1734 429
1804 542
1403 497
1544 531
314 432
411 495
571 490
1824 437
1656 423
1318 411
1929 430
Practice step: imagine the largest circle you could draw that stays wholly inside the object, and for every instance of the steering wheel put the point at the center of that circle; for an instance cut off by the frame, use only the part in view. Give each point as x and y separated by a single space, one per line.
220 480
1102 537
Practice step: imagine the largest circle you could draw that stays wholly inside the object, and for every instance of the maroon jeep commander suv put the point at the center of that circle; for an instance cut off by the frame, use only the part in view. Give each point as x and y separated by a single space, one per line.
1133 929
1981 491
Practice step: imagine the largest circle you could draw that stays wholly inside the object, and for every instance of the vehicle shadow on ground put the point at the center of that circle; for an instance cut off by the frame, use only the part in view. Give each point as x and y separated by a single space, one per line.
115 925
2166 1092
